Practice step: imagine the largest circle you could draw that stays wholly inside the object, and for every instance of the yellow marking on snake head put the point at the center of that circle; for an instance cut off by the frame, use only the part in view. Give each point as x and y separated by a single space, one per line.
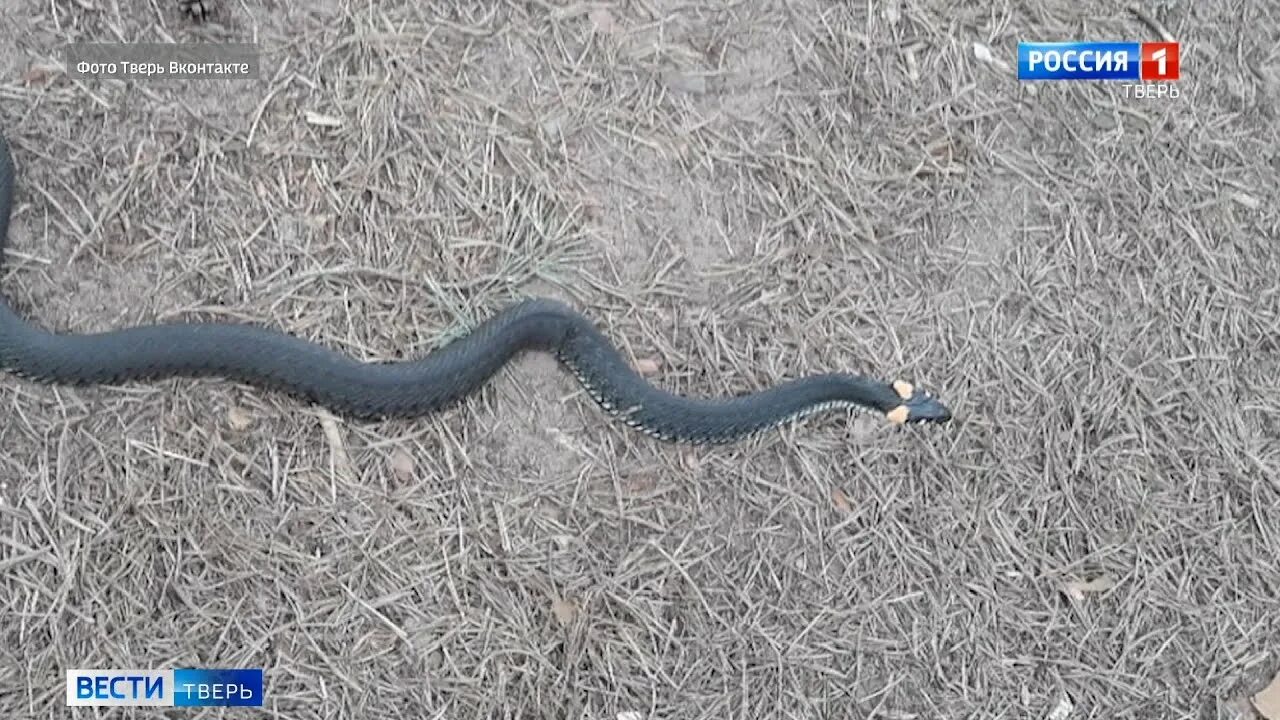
898 415
904 389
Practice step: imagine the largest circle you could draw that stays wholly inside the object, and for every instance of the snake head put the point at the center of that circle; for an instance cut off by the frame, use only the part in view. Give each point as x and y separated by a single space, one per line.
917 406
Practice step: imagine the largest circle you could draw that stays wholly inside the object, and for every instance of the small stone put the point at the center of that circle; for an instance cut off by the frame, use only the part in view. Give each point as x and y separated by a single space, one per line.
402 465
238 419
648 366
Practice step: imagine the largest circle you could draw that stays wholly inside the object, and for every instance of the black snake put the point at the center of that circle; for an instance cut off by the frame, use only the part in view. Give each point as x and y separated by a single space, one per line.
271 359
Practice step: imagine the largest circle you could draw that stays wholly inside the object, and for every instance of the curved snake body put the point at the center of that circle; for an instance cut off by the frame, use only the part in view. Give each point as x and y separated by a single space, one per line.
270 359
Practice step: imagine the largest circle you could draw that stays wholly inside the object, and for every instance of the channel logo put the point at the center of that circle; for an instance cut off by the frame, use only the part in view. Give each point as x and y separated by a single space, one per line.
185 687
1145 62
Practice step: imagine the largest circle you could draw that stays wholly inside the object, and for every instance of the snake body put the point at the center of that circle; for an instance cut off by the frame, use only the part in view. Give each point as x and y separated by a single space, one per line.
274 360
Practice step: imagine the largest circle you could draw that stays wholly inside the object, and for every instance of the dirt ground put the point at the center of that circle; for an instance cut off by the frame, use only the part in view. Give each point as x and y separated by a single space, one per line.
742 193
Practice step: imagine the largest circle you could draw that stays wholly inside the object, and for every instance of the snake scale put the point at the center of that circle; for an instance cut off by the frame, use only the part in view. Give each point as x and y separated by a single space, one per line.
274 360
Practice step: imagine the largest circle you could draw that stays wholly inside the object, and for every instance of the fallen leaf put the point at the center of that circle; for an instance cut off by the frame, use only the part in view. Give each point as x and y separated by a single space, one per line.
602 20
238 419
913 65
36 75
552 127
648 366
337 447
891 13
1062 709
983 53
565 611
402 465
841 500
1246 200
689 82
641 483
1076 589
1267 702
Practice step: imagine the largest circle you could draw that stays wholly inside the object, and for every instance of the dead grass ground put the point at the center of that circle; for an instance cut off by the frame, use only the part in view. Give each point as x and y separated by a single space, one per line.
745 192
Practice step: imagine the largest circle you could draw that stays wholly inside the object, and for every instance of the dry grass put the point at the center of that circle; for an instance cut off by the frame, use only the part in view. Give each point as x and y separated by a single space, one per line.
744 193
